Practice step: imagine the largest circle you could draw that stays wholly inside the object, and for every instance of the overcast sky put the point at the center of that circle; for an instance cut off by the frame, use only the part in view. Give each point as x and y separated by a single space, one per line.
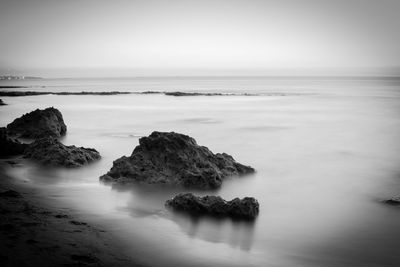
198 35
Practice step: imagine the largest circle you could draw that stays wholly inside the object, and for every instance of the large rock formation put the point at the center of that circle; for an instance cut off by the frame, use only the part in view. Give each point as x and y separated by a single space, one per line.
9 146
246 208
38 124
175 159
393 201
50 151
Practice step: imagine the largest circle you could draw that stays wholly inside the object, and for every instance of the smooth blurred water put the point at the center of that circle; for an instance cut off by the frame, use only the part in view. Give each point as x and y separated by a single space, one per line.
326 153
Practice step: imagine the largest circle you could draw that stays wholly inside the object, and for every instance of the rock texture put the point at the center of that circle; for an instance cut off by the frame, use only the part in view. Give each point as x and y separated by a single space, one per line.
9 146
38 124
393 201
246 208
50 151
174 159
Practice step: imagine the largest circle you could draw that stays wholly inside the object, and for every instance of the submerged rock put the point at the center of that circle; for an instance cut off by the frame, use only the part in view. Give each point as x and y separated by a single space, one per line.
177 93
9 146
393 201
38 124
247 207
174 159
50 151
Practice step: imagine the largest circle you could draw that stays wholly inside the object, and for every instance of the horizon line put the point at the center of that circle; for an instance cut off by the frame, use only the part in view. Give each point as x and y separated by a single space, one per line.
296 76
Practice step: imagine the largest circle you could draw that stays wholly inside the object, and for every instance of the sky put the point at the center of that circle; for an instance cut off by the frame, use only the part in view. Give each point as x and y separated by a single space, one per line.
134 37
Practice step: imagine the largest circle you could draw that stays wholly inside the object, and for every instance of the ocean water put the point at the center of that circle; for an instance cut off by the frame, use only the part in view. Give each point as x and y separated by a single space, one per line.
326 151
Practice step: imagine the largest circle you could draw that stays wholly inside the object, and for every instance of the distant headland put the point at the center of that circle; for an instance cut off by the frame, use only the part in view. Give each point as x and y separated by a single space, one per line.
12 77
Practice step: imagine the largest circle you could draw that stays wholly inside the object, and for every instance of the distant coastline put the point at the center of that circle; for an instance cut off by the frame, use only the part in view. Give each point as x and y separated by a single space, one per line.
12 77
177 93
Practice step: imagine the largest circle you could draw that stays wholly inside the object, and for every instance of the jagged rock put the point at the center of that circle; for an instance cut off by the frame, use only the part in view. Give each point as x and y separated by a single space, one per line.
50 151
247 207
174 159
38 124
393 201
9 146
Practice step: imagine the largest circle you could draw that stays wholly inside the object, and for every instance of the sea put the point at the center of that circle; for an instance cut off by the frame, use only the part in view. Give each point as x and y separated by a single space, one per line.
326 152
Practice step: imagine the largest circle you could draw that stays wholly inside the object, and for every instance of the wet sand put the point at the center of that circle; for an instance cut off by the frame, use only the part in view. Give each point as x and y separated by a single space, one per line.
35 234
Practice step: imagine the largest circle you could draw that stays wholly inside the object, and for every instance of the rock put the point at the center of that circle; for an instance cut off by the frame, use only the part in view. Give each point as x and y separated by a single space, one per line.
2 103
50 151
9 146
192 94
77 223
38 124
174 159
246 208
393 201
61 216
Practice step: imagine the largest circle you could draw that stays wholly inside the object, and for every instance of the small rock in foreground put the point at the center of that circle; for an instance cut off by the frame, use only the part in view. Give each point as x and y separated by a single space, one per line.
174 159
246 208
38 124
2 102
9 146
50 151
393 201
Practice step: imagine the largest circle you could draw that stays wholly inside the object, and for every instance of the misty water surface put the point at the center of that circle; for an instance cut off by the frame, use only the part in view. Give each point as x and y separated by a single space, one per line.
326 154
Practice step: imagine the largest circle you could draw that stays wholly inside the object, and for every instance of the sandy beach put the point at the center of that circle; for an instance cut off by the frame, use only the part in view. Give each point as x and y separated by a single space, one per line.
35 234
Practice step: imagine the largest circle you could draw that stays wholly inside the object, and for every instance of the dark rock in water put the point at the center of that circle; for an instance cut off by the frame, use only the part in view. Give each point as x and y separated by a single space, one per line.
78 223
246 208
38 124
174 159
34 93
9 146
2 103
50 151
393 201
191 94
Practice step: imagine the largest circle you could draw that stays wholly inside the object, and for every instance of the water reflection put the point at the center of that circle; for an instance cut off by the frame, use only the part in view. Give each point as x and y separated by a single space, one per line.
236 233
149 200
145 200
52 175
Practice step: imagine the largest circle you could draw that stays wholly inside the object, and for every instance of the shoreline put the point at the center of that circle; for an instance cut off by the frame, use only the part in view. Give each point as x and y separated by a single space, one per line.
35 234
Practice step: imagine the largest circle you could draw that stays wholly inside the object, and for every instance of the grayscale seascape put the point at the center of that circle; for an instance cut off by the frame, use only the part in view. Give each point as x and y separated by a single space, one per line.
200 133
